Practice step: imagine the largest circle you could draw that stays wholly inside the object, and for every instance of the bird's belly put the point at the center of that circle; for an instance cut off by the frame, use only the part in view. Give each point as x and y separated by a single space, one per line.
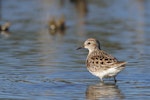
106 73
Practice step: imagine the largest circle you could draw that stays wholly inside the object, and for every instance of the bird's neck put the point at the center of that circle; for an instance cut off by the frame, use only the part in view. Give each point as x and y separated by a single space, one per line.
92 50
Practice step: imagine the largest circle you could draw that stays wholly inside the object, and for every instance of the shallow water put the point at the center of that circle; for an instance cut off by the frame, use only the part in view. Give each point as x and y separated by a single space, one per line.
36 64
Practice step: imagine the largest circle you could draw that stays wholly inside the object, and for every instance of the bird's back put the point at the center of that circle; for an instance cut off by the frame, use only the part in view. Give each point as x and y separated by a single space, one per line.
100 60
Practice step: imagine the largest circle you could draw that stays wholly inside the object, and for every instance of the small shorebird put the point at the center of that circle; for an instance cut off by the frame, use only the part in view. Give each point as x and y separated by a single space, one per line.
100 63
5 27
57 24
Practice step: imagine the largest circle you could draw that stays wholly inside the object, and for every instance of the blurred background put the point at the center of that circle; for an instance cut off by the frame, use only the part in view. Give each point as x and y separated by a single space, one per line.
38 41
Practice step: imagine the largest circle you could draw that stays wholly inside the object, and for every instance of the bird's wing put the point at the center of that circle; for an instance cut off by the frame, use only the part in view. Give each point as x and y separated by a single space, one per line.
100 60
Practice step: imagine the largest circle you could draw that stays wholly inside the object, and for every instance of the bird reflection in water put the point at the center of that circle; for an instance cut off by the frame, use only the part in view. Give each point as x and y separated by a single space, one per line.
5 34
106 91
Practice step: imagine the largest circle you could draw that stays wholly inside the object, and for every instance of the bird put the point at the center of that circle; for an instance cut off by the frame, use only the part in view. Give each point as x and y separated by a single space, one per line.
61 25
52 24
101 63
5 27
57 24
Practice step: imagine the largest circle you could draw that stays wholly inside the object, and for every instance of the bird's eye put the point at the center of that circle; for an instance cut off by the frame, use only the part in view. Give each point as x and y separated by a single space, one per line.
88 43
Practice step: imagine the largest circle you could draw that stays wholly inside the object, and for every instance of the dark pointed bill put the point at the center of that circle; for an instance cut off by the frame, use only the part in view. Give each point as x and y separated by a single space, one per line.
79 48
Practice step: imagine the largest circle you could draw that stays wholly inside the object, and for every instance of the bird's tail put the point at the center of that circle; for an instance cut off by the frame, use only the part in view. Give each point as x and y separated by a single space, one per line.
121 64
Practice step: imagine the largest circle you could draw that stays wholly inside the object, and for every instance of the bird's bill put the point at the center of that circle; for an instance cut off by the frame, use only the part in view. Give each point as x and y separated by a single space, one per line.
80 48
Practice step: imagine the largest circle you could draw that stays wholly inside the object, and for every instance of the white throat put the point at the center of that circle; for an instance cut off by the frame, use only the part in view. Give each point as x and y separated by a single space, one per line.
91 50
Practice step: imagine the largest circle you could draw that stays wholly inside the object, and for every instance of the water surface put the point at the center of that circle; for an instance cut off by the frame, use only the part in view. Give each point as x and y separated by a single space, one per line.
36 64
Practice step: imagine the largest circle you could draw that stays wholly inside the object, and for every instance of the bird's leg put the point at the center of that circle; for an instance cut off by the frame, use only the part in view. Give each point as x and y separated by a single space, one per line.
115 79
102 80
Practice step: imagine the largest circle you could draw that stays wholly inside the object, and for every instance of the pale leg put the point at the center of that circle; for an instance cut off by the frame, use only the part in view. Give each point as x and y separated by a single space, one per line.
102 80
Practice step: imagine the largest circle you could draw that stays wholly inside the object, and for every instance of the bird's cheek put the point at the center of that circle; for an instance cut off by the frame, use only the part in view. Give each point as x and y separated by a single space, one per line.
94 45
85 47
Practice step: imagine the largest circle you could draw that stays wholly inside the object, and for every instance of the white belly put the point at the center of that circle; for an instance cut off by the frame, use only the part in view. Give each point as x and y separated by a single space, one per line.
106 73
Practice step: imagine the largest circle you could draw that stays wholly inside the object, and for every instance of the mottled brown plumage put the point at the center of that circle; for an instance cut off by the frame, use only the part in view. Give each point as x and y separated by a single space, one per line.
100 63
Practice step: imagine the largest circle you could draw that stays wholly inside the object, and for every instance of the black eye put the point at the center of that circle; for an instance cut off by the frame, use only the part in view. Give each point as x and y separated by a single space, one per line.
88 43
